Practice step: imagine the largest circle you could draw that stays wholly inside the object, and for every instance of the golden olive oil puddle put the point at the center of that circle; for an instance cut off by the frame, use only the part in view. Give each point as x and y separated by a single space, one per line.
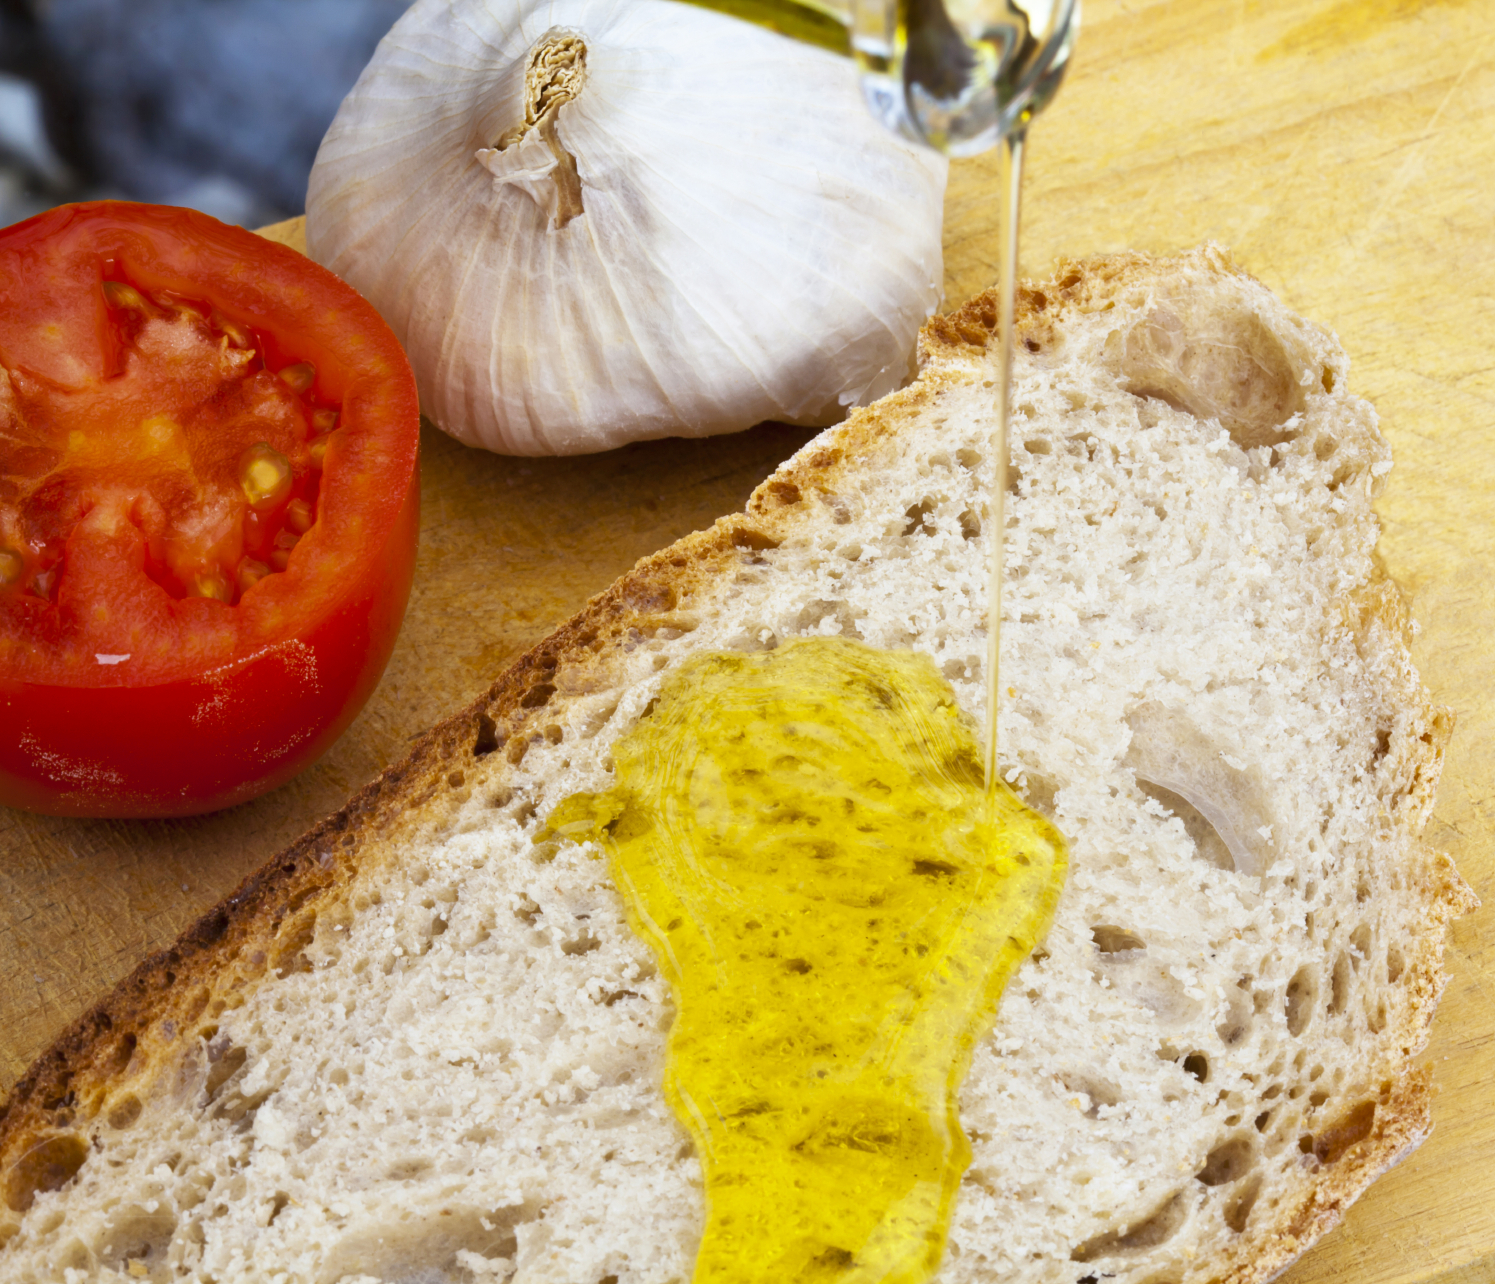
803 839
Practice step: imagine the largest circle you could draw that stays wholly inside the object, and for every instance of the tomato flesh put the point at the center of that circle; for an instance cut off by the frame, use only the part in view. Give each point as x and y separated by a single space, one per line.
208 510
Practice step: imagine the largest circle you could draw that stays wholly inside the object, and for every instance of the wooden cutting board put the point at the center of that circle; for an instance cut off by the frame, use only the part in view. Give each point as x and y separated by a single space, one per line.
1345 150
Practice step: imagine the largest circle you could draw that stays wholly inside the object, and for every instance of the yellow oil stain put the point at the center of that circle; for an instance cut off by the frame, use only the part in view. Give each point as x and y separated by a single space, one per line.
804 839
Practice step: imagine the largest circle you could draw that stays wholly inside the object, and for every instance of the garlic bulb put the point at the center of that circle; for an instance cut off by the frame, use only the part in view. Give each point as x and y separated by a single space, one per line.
597 221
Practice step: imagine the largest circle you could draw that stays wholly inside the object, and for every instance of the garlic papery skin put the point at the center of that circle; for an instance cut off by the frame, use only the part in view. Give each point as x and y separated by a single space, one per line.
750 244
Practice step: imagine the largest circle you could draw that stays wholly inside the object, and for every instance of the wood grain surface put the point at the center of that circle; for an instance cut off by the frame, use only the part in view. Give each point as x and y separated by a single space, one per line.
1345 150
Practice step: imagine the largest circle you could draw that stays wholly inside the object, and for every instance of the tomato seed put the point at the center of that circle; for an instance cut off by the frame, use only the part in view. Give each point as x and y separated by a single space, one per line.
250 573
280 555
299 516
299 377
317 451
238 335
119 295
323 420
213 584
12 565
264 475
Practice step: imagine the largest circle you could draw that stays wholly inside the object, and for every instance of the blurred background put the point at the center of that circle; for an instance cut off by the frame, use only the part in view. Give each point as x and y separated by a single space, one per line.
216 104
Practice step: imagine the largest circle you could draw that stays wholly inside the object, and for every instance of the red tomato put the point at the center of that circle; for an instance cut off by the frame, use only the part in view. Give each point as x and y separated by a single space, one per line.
208 510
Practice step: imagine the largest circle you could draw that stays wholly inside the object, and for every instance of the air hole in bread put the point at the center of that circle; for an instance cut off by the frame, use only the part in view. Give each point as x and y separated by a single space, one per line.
917 518
1324 446
134 1234
408 1169
119 1059
969 459
1340 981
1169 753
609 997
1208 845
49 1163
454 1243
970 525
960 670
1213 363
277 1206
1351 1128
1342 474
1242 1201
827 618
1038 446
225 1060
1302 990
1039 792
783 493
487 739
538 696
1115 940
290 952
72 1257
124 1112
527 911
1239 1010
1098 1092
1360 941
1229 1161
744 537
1159 1227
1197 1064
1395 964
583 943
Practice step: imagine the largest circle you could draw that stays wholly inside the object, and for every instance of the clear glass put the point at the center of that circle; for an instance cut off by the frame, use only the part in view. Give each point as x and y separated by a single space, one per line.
956 75
963 74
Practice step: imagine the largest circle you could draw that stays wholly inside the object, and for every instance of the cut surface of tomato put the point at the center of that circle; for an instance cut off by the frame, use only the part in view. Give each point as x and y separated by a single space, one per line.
208 510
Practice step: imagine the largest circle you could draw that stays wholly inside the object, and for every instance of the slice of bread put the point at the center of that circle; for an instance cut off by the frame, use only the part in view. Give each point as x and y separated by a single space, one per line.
422 1044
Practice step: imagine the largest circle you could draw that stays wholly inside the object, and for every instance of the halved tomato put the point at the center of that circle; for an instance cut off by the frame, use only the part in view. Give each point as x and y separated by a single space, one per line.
208 510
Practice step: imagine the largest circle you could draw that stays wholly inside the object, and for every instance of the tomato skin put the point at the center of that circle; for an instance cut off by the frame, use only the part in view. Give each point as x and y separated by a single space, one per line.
247 695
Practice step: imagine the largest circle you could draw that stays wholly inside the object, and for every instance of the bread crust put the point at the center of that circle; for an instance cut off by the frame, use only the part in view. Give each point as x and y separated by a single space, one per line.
132 1034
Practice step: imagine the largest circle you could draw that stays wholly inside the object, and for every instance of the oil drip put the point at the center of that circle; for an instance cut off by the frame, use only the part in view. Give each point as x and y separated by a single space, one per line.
804 839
